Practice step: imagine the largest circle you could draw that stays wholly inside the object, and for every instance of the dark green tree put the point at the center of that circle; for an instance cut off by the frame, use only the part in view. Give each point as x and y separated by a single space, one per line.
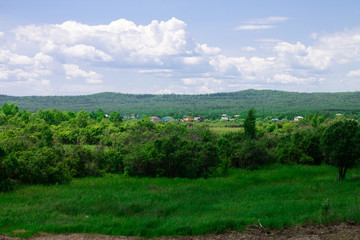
82 119
10 109
115 117
249 124
340 143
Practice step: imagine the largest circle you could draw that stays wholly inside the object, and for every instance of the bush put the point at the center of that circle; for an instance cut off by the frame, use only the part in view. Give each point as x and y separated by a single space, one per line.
82 162
252 154
7 184
37 166
180 152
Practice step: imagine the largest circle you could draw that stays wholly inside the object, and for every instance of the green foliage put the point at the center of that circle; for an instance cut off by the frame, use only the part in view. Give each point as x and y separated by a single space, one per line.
273 104
82 162
252 154
51 146
174 151
37 166
9 109
340 143
82 119
249 124
115 117
300 147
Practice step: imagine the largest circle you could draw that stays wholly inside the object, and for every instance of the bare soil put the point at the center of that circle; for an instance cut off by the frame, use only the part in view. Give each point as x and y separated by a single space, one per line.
349 230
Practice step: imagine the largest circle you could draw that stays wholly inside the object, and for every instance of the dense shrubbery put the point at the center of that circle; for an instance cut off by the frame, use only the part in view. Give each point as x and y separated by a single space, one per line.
52 146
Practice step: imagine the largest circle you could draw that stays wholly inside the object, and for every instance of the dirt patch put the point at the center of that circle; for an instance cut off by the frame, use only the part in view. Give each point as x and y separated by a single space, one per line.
344 231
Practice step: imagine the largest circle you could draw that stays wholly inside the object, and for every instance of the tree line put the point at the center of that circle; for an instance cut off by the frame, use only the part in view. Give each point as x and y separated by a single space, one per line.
267 102
52 146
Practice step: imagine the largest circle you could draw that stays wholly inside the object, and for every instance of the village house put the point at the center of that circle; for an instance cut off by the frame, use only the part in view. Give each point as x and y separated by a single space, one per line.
188 119
155 119
200 119
168 119
225 117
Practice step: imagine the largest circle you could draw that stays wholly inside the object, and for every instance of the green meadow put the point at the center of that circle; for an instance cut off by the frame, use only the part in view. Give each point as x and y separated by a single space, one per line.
275 195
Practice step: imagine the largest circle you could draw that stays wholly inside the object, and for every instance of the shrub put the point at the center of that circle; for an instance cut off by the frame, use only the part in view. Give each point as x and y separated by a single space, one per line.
81 162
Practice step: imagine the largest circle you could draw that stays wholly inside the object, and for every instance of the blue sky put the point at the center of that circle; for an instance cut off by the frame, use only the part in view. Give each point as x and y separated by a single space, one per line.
186 47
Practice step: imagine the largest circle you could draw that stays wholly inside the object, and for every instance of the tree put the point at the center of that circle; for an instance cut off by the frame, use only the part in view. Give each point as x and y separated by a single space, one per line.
249 124
340 143
82 119
115 117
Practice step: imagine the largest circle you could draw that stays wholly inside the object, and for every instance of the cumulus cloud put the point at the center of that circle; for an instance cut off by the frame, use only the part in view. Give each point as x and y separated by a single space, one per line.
355 73
86 52
71 46
165 50
248 68
120 42
73 71
329 49
21 70
287 78
203 84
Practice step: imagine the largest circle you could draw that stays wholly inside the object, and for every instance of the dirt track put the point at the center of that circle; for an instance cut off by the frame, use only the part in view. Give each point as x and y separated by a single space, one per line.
340 231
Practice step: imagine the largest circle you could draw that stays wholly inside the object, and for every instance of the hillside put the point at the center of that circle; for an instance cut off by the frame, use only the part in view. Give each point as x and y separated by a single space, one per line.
265 101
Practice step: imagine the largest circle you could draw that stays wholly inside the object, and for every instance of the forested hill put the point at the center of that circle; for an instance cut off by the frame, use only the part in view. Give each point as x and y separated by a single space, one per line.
265 101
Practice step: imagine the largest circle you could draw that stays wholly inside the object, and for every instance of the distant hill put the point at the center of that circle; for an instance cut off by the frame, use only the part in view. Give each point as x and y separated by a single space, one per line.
265 101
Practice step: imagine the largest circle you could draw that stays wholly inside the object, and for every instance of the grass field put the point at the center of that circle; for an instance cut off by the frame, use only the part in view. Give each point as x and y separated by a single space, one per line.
224 127
116 205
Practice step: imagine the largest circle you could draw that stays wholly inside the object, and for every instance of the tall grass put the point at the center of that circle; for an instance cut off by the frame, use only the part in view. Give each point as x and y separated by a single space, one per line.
276 195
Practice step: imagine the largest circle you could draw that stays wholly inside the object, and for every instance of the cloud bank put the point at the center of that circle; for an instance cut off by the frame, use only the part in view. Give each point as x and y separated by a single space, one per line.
49 59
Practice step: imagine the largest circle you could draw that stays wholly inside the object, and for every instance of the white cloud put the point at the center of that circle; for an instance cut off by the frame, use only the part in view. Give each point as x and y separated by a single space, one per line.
165 51
254 27
355 73
268 20
329 49
261 23
204 49
2 34
4 74
20 60
155 71
45 82
193 60
202 85
248 49
247 67
42 58
197 81
120 42
165 91
288 79
86 52
73 71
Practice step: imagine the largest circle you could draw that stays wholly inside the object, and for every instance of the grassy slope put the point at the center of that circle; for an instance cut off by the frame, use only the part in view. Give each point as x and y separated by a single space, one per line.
264 100
117 205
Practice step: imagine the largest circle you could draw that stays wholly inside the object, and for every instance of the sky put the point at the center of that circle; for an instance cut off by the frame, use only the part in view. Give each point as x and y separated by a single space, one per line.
78 47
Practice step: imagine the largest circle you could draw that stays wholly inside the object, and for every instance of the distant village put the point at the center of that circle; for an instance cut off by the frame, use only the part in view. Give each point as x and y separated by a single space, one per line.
185 118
